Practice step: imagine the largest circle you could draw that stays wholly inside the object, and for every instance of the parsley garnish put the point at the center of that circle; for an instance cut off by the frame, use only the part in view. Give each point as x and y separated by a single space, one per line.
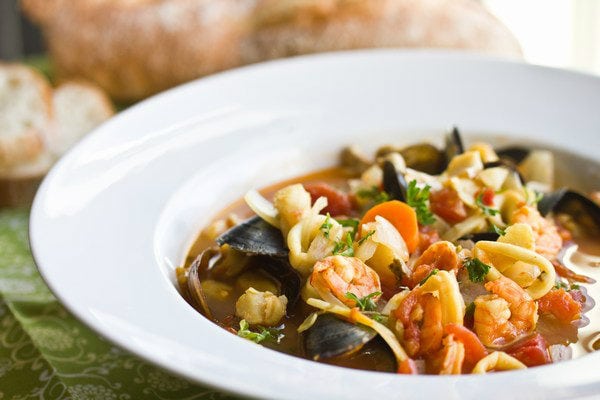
561 285
477 269
434 272
381 318
368 235
486 210
470 311
417 199
498 230
373 194
326 226
350 223
366 303
344 247
257 337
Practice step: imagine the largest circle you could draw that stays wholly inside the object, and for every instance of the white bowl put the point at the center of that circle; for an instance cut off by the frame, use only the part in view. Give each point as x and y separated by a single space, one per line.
117 214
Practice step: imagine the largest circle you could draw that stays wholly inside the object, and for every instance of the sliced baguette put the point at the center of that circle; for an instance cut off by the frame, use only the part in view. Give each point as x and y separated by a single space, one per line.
79 107
25 114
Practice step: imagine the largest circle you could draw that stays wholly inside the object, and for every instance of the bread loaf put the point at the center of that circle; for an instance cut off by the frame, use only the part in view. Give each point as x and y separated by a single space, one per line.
37 125
134 48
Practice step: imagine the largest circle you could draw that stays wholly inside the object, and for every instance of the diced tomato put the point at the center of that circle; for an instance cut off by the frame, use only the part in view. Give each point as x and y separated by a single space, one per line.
338 202
474 349
427 237
448 205
561 304
487 197
532 351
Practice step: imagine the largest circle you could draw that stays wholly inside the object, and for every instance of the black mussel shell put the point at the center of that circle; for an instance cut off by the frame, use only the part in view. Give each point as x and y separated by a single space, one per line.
515 154
476 237
454 145
394 183
584 211
255 237
333 337
424 157
282 271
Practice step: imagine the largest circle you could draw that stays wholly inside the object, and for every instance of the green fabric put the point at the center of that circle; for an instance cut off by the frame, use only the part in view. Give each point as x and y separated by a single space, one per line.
45 353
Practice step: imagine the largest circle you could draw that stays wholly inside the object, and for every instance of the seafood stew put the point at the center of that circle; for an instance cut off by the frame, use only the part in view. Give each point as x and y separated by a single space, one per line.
465 259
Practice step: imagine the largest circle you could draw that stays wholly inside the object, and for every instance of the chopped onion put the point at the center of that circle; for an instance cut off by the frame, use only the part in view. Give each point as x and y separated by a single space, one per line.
262 207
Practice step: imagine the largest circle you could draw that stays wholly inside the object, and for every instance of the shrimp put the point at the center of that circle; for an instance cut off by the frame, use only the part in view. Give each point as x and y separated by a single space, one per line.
441 256
548 241
335 276
421 316
449 360
505 315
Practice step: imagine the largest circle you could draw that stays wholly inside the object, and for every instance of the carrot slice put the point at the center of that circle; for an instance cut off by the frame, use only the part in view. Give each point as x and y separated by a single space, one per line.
474 349
402 216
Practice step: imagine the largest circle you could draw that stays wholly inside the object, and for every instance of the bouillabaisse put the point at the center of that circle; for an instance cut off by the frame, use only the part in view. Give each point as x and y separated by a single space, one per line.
419 260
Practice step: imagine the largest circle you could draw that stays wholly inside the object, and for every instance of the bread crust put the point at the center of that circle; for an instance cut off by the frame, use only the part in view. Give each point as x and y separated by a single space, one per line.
134 48
27 145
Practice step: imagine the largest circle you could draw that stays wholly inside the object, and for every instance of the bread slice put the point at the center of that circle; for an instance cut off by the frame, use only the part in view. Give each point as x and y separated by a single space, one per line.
25 114
78 107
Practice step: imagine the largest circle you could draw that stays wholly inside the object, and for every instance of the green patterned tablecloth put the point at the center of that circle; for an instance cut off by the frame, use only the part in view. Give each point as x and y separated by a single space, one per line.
45 353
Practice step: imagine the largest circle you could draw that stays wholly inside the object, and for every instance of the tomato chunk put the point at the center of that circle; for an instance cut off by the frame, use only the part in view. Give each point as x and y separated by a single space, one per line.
338 202
560 304
532 351
474 349
487 197
448 205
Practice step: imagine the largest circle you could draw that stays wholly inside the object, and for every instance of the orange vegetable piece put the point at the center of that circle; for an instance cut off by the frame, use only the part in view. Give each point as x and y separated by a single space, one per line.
402 216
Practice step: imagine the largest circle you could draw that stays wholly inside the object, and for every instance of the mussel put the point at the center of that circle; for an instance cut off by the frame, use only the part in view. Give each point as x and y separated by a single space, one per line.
513 154
585 212
256 237
282 271
424 157
394 182
194 287
476 237
333 337
454 144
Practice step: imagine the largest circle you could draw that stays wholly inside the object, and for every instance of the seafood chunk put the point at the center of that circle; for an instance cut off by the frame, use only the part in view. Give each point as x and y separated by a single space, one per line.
260 308
335 276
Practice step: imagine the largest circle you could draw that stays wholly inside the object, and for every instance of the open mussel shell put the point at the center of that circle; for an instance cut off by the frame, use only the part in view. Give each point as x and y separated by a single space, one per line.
476 237
282 271
424 157
394 183
454 144
333 337
255 237
584 211
194 287
513 154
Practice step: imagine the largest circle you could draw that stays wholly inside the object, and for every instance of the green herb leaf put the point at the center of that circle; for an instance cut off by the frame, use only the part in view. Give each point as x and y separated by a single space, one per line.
381 318
498 230
265 333
418 199
326 226
434 272
367 236
344 248
575 286
477 269
365 303
374 194
486 210
350 223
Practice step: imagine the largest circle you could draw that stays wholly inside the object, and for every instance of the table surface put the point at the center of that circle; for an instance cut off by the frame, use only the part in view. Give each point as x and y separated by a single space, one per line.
45 353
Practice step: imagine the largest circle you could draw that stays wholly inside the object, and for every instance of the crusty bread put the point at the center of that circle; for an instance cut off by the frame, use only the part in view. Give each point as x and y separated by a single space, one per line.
78 107
25 114
37 125
308 26
134 48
